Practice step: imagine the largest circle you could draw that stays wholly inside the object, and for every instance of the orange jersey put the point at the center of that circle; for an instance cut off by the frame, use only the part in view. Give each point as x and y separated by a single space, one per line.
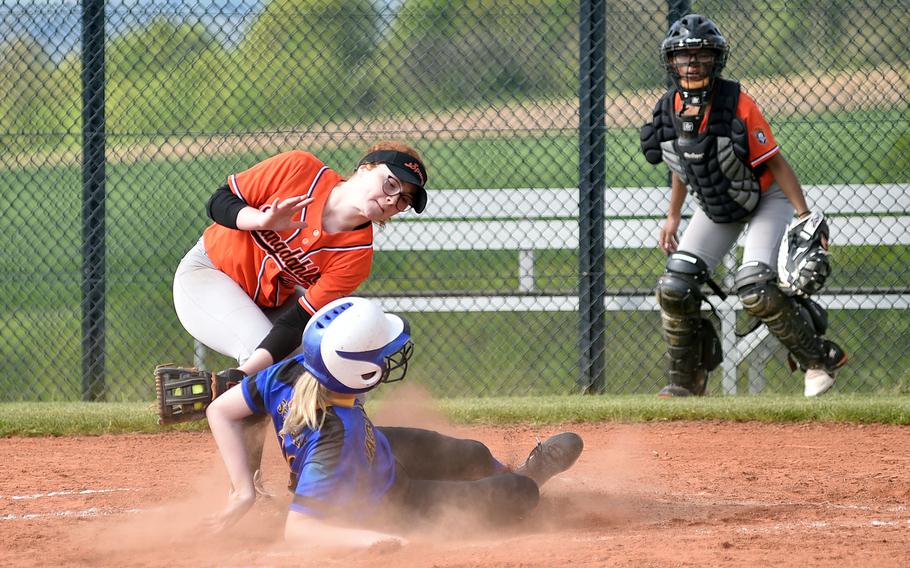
761 141
269 264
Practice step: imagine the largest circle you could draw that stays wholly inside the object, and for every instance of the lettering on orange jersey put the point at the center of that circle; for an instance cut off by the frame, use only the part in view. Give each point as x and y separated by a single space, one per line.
299 269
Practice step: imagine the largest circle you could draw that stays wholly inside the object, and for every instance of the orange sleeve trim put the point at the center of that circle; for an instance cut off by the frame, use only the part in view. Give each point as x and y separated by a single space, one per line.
764 157
235 187
307 305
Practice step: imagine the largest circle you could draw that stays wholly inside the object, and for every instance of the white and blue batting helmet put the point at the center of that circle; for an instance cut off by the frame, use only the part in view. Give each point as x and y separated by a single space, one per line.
351 345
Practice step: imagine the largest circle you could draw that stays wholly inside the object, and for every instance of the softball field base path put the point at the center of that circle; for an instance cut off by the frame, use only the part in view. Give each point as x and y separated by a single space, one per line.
655 494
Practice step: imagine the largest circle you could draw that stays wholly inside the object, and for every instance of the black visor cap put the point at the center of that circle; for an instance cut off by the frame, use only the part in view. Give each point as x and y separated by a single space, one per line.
407 168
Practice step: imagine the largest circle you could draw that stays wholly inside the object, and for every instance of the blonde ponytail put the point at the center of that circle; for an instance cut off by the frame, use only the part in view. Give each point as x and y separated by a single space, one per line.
308 399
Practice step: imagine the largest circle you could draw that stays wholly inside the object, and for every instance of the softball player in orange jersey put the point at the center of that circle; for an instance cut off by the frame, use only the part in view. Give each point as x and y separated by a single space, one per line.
720 149
289 236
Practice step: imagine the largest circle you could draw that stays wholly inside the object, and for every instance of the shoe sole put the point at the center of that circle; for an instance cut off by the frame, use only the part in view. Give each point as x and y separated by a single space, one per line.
821 392
571 442
571 445
825 386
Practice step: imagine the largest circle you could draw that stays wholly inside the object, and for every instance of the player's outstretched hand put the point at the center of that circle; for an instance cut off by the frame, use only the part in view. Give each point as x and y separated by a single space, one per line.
237 507
279 215
668 239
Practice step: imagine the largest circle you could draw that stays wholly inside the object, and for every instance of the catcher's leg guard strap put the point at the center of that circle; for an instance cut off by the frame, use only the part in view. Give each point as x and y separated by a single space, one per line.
787 319
679 295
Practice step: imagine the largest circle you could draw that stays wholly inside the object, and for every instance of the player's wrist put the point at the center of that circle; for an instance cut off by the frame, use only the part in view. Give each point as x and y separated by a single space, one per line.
803 214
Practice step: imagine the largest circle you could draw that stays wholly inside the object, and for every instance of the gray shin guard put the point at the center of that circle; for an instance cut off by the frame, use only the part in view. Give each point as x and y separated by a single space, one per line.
787 319
683 349
679 296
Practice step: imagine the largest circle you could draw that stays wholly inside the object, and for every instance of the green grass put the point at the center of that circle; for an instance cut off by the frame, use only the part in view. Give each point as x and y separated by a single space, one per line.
81 418
155 212
646 408
75 418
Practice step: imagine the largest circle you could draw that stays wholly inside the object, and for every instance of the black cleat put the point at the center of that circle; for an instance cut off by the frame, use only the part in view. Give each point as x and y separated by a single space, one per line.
552 456
696 386
674 391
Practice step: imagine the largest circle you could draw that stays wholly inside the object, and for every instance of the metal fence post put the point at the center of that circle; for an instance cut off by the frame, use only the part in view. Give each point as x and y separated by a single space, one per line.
93 205
592 154
676 9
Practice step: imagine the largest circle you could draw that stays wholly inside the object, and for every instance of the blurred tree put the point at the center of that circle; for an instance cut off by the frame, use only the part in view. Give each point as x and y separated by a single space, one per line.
300 62
438 52
152 77
26 67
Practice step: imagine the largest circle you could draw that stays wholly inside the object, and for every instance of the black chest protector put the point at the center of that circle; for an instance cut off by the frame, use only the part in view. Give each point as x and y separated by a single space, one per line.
713 164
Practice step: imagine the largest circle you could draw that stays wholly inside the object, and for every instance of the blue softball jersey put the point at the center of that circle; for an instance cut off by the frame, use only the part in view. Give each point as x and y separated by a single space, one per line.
342 470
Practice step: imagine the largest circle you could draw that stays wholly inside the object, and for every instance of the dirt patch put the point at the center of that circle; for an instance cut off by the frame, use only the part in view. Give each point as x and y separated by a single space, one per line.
662 494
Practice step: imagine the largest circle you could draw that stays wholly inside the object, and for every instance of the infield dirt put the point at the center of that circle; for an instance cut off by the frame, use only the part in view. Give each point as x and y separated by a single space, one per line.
652 494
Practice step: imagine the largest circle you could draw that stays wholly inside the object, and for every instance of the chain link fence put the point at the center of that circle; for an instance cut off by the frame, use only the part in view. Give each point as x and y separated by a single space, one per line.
120 118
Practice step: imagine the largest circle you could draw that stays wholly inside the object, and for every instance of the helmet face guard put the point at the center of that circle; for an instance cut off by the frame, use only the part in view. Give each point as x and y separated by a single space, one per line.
351 346
693 35
396 363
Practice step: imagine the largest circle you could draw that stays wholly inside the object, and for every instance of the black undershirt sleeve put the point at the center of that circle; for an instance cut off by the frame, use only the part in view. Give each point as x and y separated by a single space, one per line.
287 333
223 207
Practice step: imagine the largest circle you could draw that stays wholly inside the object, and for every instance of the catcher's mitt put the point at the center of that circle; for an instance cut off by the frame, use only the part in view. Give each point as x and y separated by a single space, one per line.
803 261
183 393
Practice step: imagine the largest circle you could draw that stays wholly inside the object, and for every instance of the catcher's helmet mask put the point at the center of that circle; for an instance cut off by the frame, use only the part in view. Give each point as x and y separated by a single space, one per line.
693 33
350 346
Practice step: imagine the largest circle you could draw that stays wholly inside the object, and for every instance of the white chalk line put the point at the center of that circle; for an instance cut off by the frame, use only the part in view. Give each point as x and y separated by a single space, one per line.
82 513
64 493
85 513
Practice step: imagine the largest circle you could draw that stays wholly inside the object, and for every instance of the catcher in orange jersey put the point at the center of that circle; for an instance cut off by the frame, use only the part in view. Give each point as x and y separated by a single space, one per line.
720 149
289 236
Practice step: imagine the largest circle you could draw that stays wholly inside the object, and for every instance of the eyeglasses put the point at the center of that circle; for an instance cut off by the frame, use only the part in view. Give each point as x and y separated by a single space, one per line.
688 57
392 187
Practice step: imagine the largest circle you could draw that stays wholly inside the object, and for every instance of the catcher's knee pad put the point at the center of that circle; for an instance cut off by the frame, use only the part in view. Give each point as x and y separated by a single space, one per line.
797 325
692 342
679 288
756 285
